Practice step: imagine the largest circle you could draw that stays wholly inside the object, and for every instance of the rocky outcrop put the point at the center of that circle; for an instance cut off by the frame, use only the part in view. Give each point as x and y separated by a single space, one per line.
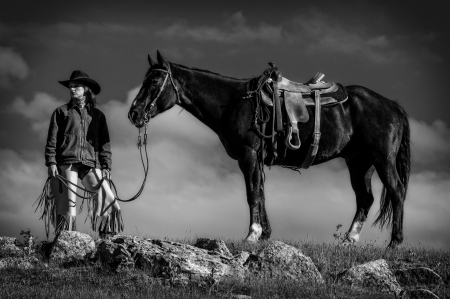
8 248
210 261
413 278
179 263
213 246
374 275
71 246
282 261
12 255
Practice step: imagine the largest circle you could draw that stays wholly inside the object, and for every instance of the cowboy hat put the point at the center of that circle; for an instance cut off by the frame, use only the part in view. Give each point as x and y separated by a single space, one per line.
83 78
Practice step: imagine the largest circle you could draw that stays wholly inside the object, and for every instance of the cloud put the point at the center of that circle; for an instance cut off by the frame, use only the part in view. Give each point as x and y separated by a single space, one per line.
311 31
233 30
12 65
427 210
37 111
430 145
65 34
19 177
179 53
319 32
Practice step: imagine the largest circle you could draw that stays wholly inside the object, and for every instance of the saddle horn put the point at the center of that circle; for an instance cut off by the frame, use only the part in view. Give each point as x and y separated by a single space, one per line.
278 77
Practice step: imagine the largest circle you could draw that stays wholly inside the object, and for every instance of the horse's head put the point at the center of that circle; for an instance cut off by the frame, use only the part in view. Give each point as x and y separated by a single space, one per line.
157 94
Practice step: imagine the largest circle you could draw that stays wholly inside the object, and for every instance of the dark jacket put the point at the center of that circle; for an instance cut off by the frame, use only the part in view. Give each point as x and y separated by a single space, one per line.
76 136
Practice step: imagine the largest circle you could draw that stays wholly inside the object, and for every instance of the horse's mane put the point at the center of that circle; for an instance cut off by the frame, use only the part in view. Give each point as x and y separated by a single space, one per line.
206 71
201 71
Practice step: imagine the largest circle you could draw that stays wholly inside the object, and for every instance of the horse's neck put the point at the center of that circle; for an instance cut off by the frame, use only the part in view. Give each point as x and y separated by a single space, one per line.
207 95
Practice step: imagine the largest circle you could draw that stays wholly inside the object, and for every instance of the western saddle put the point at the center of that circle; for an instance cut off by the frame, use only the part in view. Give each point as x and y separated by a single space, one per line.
289 99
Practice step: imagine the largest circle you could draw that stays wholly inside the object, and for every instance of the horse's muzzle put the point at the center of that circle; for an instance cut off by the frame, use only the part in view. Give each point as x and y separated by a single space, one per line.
132 116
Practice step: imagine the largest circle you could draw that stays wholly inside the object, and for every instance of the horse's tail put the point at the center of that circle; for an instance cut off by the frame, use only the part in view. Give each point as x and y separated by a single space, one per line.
403 166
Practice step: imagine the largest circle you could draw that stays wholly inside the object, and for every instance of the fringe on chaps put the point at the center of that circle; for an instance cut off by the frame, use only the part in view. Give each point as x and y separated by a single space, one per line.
106 223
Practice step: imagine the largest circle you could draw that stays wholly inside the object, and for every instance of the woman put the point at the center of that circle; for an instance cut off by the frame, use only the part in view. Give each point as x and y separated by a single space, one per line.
78 147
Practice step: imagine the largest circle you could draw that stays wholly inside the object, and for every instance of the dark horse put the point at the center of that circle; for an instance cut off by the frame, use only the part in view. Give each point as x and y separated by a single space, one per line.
368 130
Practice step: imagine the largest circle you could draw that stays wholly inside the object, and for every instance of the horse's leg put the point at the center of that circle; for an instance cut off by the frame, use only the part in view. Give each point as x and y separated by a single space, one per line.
361 171
259 222
391 198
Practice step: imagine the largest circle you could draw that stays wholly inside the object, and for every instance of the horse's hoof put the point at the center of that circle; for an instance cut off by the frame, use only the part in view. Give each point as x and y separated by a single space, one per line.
393 245
254 234
251 239
346 243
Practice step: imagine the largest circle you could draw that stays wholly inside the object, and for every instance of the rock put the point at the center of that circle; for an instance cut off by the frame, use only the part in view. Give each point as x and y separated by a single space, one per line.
118 252
282 261
174 262
214 246
7 241
420 294
241 258
184 263
240 297
375 274
421 276
71 246
18 262
8 248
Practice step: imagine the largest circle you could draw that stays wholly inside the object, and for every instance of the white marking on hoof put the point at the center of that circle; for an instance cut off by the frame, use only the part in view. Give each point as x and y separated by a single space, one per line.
346 243
255 232
354 232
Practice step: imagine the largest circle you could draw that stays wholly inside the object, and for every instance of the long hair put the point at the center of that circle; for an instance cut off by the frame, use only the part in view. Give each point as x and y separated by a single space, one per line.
90 97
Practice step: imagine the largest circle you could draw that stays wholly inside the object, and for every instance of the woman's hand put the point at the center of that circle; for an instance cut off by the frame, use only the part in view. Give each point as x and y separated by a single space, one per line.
52 171
106 174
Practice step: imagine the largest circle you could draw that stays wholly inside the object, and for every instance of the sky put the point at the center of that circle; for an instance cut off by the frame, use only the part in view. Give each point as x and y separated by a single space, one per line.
194 189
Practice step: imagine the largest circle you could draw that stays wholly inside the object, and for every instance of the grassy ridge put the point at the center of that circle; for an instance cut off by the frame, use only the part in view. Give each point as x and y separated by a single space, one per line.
97 281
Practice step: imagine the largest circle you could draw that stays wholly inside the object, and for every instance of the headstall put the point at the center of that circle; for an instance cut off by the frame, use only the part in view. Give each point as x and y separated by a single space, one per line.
153 103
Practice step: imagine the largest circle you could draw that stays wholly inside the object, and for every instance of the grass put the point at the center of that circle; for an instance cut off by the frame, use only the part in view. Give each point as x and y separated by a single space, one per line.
88 280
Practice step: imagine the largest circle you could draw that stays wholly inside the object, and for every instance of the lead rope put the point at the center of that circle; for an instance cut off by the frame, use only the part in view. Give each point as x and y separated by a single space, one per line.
144 165
46 201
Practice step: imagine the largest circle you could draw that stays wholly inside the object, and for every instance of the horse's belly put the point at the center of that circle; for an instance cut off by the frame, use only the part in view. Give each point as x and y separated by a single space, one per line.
336 131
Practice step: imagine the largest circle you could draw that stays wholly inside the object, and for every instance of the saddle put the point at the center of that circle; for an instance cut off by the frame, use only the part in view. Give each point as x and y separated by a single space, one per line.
289 99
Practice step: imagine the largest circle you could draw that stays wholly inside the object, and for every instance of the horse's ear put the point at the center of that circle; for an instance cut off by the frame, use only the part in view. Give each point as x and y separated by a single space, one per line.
150 60
162 60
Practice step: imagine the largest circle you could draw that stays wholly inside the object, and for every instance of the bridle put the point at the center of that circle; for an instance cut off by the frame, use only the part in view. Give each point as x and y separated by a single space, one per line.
153 103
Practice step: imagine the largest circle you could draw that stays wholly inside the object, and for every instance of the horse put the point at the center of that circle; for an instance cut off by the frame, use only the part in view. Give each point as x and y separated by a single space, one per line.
369 131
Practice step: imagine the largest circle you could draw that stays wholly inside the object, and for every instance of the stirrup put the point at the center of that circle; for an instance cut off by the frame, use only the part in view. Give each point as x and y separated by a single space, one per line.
292 136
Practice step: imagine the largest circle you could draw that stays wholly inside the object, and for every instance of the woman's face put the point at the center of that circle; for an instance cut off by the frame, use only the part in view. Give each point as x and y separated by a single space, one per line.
77 90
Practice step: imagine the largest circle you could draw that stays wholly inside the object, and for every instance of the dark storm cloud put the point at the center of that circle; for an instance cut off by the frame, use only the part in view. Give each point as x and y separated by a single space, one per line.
430 146
313 31
36 111
234 30
12 65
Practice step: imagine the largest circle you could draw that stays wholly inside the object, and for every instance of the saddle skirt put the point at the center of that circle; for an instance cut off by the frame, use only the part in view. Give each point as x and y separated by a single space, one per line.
296 96
298 93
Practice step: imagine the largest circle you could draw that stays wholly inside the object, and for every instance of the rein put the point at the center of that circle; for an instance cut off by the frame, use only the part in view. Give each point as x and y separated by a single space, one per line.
91 194
141 142
261 114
